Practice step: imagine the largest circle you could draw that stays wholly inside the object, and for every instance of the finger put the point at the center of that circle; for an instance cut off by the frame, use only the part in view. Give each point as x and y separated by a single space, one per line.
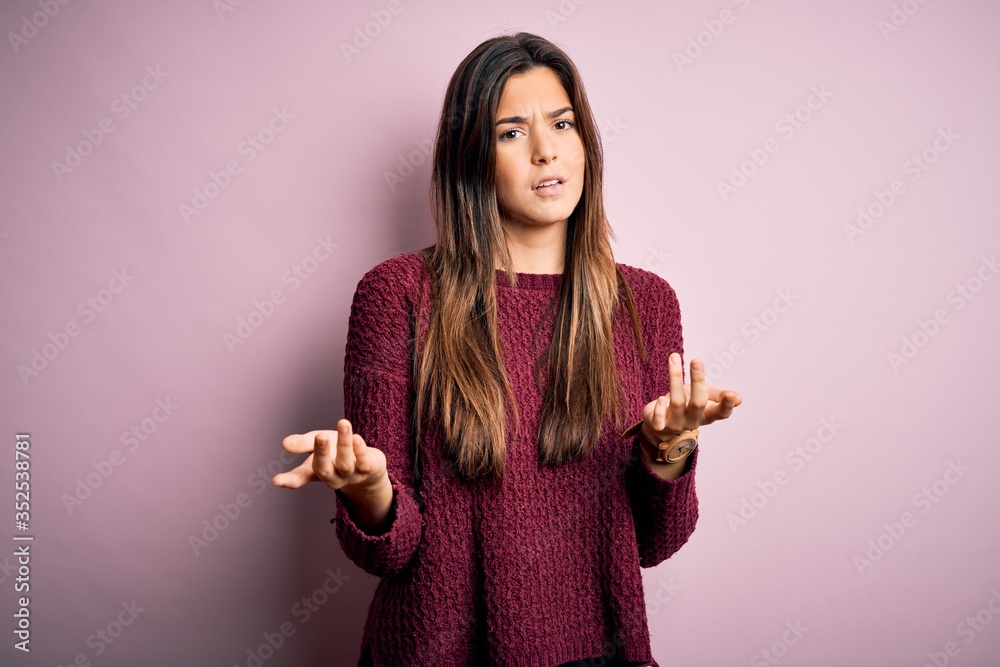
322 464
343 464
734 397
699 395
658 416
715 412
362 456
729 400
724 395
723 408
728 396
299 443
297 477
678 397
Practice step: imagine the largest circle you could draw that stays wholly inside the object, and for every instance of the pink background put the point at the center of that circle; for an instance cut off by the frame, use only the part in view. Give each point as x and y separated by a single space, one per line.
672 131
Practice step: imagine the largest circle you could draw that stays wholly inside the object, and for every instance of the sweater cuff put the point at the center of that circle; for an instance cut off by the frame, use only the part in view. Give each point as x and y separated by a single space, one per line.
388 551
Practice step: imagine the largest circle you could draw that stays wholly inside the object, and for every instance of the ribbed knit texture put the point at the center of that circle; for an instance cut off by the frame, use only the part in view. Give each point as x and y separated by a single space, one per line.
546 569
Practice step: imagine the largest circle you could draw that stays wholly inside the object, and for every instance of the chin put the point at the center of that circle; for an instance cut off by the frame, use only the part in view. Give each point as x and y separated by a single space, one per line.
554 218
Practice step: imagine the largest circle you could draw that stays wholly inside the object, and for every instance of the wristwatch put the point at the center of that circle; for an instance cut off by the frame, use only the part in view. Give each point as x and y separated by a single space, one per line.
675 448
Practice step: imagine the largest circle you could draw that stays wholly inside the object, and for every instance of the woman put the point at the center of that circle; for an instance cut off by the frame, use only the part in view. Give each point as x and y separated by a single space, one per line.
482 471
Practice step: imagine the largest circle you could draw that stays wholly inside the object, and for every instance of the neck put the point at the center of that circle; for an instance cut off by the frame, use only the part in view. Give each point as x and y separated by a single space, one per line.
536 248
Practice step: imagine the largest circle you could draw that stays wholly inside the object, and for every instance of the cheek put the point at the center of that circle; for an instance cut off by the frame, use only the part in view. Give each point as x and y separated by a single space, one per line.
580 165
581 155
506 176
577 156
501 179
503 187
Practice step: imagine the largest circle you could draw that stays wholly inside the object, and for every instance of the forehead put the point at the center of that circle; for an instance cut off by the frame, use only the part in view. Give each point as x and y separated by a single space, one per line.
540 86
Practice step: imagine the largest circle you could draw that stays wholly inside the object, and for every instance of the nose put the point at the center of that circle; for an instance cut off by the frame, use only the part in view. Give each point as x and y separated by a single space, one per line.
544 148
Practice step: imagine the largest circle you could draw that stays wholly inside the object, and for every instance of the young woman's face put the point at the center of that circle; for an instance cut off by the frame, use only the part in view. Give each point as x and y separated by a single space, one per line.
537 140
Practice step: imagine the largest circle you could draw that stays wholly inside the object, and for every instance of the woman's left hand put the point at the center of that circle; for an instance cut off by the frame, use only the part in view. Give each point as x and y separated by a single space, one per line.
687 406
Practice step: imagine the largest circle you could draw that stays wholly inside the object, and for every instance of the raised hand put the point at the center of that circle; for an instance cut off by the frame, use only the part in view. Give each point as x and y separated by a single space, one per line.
687 406
338 458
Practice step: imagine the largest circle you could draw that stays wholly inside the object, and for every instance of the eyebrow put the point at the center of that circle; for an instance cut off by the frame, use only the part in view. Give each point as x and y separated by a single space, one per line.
521 119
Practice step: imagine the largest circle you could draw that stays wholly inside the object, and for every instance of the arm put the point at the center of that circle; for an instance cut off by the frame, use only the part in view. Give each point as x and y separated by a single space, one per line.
369 510
663 498
665 510
381 529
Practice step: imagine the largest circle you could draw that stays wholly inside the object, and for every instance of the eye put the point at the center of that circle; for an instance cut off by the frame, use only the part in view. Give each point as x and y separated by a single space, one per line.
510 136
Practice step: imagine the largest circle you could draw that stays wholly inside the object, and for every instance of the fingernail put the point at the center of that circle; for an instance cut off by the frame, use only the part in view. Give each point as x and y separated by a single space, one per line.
675 359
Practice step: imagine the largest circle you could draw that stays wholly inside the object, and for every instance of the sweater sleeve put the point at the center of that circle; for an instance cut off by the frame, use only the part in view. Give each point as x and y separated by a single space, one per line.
665 511
377 403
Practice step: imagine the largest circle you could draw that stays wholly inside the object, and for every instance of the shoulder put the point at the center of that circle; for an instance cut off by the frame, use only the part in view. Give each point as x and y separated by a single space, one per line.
381 319
392 283
658 310
652 293
402 270
639 278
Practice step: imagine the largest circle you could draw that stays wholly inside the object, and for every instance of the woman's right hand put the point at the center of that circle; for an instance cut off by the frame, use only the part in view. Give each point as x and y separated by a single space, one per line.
338 458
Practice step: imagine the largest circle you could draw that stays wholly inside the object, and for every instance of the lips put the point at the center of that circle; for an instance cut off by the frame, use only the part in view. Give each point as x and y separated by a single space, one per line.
549 178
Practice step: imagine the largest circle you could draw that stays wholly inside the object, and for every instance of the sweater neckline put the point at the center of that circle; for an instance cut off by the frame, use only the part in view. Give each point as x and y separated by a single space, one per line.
532 281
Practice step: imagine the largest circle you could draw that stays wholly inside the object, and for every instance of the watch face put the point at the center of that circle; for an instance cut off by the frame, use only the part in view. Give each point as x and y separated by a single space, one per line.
681 449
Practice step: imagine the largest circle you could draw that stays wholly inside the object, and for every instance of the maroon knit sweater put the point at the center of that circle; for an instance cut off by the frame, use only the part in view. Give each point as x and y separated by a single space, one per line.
544 570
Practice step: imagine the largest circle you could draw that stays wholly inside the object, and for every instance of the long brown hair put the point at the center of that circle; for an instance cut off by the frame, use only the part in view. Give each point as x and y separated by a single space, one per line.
460 375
